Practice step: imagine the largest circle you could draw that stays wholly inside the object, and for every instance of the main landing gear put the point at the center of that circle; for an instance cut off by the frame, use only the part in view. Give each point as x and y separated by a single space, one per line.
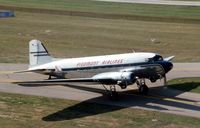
49 77
113 94
143 89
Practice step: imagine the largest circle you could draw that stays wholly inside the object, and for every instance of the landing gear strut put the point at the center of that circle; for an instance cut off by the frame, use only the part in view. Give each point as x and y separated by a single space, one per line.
113 94
49 77
143 89
165 82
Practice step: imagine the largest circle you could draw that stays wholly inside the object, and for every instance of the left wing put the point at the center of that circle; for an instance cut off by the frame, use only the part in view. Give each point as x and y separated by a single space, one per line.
64 81
103 78
123 77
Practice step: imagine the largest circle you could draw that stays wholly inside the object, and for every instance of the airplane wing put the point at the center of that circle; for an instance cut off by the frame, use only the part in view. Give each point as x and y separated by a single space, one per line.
129 75
64 81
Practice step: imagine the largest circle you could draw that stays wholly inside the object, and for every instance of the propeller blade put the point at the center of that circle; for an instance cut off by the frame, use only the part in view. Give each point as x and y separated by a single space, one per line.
165 80
169 58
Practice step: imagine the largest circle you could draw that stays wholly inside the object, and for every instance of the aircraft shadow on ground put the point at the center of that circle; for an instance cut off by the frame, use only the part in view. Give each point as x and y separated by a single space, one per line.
94 106
187 86
84 109
87 108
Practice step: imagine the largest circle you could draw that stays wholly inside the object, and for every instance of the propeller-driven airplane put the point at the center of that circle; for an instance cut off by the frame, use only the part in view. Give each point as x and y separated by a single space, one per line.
111 70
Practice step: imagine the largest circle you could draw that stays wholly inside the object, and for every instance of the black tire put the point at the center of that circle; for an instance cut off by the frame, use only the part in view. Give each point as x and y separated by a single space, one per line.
143 90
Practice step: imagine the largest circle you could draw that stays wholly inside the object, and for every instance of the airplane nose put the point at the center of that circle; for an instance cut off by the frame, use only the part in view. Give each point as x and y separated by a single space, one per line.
167 66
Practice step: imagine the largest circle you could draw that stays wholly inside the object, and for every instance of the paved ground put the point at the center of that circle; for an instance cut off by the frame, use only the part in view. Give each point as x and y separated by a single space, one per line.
162 2
160 98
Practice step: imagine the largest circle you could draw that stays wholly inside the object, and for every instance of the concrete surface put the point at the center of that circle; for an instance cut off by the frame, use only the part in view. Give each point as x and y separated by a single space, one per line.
159 99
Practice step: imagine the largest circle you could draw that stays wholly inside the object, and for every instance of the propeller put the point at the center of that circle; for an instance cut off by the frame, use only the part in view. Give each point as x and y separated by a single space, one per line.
169 58
165 80
164 77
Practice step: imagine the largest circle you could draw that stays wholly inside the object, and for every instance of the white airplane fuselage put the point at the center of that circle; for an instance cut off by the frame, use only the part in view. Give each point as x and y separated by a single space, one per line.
88 66
117 69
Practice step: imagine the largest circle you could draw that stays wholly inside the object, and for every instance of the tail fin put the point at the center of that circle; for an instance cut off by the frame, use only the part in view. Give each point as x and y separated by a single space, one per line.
38 54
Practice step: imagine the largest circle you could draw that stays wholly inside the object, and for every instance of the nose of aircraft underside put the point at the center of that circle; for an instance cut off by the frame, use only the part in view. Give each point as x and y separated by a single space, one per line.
167 65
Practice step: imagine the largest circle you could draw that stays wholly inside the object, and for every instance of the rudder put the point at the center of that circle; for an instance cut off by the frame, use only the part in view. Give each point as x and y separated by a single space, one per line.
38 54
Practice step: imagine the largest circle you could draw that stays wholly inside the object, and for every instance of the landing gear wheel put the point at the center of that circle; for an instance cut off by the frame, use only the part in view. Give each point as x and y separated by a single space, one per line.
143 89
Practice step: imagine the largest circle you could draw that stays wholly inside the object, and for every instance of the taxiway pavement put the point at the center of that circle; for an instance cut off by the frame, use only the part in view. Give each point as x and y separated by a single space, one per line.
160 98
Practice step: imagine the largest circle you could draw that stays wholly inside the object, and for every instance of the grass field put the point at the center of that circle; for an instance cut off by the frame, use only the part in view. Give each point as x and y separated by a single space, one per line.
107 7
72 36
185 0
186 84
30 111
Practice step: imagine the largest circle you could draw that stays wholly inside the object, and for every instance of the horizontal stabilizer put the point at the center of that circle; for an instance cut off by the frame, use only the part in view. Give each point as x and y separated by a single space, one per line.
36 70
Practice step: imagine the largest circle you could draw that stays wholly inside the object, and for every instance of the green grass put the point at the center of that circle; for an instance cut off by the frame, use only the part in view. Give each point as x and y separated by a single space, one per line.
186 84
187 0
74 36
107 7
70 36
31 111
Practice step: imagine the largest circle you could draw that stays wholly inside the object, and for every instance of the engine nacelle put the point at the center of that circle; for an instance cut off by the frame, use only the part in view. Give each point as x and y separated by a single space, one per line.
123 79
127 78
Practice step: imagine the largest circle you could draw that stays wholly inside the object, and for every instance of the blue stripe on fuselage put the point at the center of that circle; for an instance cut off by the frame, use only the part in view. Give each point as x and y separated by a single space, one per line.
41 55
38 52
108 66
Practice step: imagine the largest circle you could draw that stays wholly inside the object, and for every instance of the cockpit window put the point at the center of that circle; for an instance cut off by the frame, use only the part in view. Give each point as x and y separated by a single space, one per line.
156 58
